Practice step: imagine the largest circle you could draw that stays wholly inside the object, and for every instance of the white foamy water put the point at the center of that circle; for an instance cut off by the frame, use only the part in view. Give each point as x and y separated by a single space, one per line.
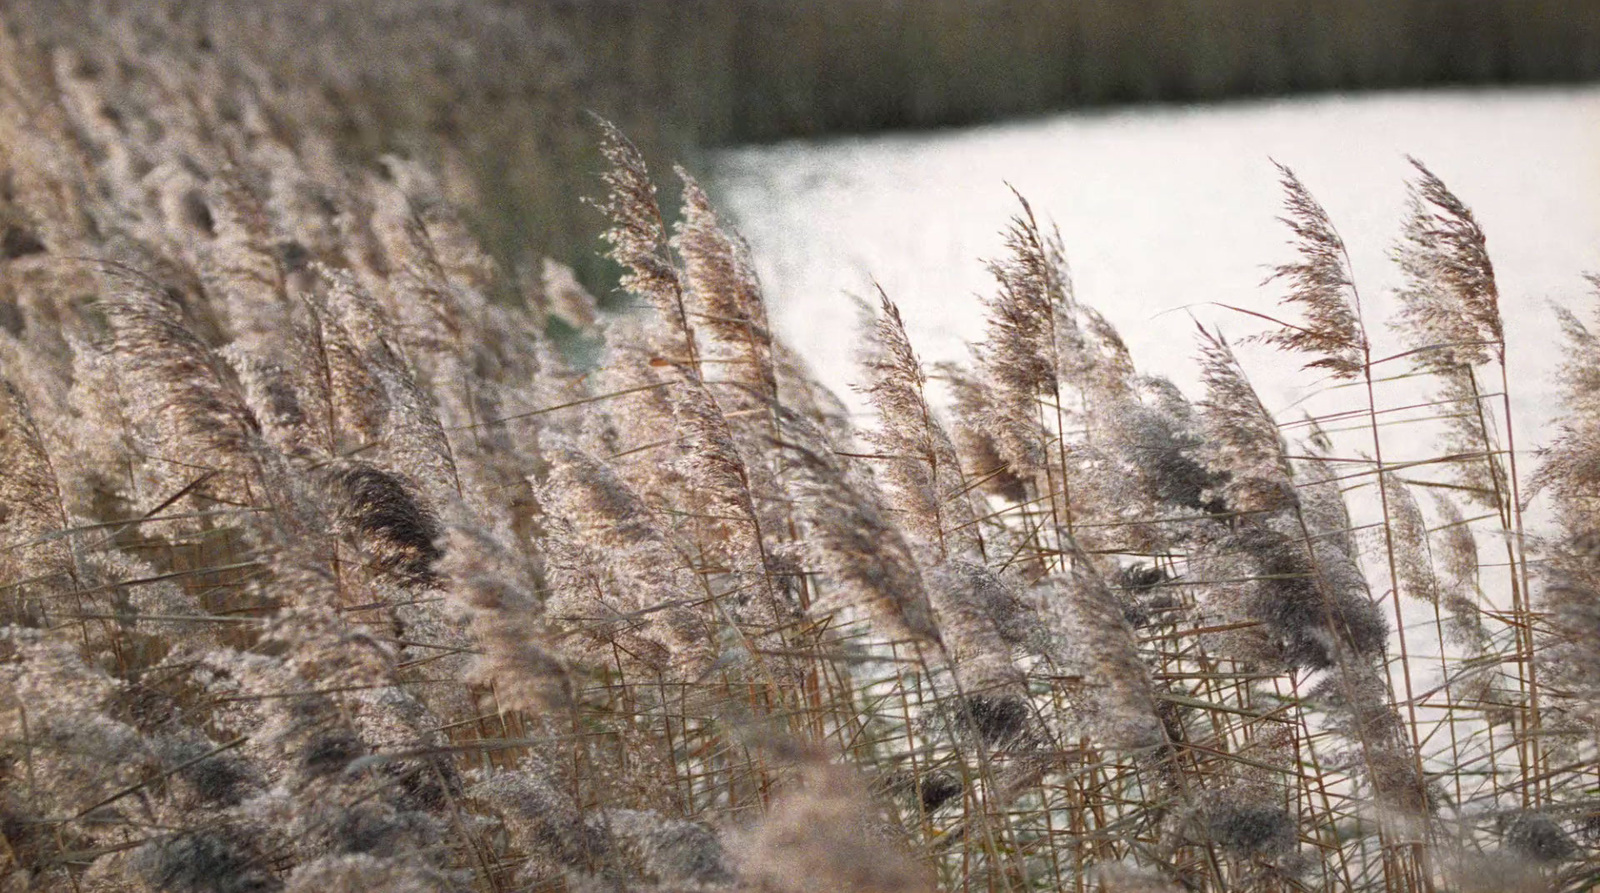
1166 211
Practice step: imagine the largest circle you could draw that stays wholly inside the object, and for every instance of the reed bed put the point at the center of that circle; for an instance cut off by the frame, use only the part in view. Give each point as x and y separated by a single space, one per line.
323 567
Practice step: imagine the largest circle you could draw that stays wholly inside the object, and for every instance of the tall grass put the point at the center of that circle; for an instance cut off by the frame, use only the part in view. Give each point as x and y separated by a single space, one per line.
323 568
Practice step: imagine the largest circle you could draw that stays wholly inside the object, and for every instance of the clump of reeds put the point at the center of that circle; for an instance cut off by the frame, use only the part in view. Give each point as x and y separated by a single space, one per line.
323 567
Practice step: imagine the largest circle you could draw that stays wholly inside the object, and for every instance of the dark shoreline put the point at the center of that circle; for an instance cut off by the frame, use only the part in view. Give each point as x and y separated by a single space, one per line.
500 94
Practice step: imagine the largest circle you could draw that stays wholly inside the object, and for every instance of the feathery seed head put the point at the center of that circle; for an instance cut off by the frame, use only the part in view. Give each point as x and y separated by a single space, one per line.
1321 285
1451 305
1241 436
396 530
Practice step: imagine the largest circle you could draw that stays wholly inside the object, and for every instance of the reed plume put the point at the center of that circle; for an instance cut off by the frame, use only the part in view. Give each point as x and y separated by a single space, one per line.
823 833
1450 303
978 616
850 538
30 512
397 532
721 284
1102 647
638 238
1321 284
919 466
183 385
616 569
1568 469
1413 557
976 444
491 588
1241 435
1572 575
1018 359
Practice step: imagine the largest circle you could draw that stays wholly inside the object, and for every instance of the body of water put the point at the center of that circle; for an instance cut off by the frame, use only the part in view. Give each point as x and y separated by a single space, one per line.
1167 212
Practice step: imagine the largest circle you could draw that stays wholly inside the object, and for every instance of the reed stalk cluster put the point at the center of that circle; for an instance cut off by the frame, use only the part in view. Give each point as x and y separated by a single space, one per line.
324 568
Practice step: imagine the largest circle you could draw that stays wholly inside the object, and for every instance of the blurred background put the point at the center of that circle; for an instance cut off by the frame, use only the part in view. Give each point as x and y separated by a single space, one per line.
495 93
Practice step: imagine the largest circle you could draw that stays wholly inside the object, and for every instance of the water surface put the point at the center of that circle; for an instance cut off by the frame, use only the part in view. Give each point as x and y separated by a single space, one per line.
1167 212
